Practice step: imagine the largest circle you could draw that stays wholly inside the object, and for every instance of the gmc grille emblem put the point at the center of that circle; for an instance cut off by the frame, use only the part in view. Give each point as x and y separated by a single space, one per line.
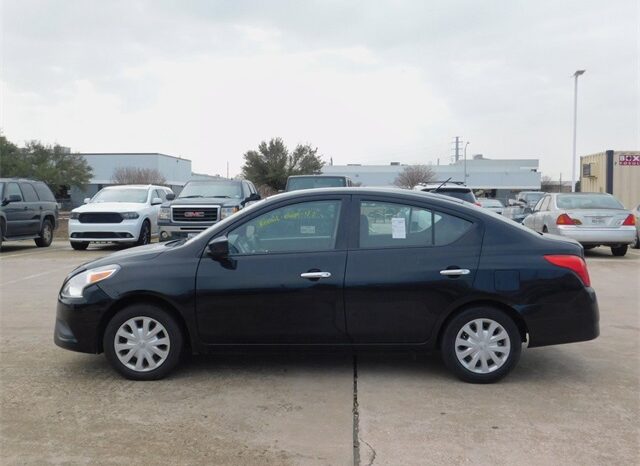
194 214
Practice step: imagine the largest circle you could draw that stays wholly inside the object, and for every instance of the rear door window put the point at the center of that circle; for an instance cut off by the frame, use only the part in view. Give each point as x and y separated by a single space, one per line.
28 192
386 224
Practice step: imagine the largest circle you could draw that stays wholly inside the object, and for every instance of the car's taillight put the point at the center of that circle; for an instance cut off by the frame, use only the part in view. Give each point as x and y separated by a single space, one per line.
564 219
574 263
630 220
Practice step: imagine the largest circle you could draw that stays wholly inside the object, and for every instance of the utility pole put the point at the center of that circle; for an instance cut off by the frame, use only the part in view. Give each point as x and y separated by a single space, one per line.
575 127
227 169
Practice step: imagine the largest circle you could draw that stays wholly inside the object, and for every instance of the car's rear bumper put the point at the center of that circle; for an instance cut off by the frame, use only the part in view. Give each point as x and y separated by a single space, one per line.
567 322
599 235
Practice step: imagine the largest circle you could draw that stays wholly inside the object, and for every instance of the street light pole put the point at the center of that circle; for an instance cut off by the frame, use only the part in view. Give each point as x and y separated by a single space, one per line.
575 127
465 163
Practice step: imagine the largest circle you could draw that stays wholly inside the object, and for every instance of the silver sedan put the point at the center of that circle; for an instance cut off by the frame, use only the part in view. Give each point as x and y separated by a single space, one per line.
592 219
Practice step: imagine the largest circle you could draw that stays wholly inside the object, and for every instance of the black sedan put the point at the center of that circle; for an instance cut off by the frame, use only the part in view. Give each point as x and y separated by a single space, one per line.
355 268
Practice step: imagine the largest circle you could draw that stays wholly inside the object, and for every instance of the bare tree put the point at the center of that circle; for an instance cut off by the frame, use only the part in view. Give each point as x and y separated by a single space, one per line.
137 175
413 175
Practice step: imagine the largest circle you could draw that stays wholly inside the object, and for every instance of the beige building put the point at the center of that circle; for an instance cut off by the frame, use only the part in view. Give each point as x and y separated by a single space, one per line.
613 172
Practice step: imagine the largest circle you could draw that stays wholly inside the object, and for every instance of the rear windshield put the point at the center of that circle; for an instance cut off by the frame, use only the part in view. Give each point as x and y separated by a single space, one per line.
294 184
587 201
462 194
121 195
532 198
217 189
490 203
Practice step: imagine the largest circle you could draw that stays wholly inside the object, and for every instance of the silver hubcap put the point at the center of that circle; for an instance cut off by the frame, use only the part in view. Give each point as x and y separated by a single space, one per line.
482 346
46 233
142 344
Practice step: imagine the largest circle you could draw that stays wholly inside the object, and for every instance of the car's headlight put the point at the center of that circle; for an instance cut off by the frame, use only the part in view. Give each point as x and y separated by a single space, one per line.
164 214
228 211
76 285
130 215
74 215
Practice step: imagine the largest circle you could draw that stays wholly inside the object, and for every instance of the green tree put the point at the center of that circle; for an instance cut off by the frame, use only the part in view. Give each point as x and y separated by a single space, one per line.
54 165
272 163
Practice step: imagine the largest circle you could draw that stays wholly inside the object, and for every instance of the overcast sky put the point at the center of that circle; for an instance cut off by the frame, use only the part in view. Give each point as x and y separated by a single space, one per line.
365 82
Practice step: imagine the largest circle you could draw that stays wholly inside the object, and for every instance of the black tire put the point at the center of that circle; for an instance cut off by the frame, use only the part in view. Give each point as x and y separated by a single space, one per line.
1 234
588 246
46 234
79 245
620 250
145 234
171 331
636 245
455 326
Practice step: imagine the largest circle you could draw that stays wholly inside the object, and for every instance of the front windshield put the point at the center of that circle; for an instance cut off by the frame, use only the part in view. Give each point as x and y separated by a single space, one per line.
136 195
312 182
222 189
587 201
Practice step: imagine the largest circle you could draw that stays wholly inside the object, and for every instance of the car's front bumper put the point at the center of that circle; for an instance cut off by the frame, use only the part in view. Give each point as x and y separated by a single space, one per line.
125 232
599 235
79 322
171 232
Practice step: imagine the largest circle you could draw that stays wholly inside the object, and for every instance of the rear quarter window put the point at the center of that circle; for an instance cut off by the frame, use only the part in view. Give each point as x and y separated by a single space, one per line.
29 193
44 193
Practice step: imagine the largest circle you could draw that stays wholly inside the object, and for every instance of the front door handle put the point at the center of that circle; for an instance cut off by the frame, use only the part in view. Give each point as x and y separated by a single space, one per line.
450 272
315 275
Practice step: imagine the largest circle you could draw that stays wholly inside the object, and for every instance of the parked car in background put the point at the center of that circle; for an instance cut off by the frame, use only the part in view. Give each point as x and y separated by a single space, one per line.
340 267
636 212
592 219
297 182
28 211
458 191
118 214
202 204
495 205
517 209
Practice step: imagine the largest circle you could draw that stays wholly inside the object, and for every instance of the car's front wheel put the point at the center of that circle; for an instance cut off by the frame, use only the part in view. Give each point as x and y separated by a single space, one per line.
481 345
143 342
619 251
145 234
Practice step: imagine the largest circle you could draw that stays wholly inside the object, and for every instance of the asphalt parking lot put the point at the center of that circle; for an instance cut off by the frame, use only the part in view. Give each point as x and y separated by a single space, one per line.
571 404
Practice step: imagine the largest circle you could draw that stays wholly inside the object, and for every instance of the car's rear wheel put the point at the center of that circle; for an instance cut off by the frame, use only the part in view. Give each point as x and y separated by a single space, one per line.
145 234
79 245
619 251
588 246
143 342
481 345
636 245
46 234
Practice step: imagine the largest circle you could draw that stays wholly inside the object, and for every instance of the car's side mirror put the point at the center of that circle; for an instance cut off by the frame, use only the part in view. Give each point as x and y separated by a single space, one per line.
156 201
218 248
11 198
87 200
252 198
171 196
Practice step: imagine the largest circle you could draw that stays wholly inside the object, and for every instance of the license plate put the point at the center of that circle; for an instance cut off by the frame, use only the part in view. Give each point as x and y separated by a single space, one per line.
597 221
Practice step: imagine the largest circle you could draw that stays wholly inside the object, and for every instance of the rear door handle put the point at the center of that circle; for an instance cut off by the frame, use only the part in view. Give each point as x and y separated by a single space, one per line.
315 275
450 272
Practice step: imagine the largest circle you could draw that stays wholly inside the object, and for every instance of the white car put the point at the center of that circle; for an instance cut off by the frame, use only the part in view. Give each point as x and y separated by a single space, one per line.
494 205
118 214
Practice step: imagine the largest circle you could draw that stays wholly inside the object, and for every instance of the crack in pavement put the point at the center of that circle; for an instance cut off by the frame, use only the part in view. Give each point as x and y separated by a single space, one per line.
356 421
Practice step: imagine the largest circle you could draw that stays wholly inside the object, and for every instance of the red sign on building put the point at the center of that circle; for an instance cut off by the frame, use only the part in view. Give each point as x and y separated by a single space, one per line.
628 159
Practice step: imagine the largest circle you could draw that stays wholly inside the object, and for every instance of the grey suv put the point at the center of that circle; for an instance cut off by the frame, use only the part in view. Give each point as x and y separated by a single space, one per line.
28 211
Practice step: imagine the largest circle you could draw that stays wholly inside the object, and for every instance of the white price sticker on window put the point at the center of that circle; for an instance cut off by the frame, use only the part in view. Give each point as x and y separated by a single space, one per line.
307 230
398 229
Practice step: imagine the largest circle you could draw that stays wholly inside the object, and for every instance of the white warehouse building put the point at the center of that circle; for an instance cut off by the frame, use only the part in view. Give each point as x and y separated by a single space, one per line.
499 178
176 170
